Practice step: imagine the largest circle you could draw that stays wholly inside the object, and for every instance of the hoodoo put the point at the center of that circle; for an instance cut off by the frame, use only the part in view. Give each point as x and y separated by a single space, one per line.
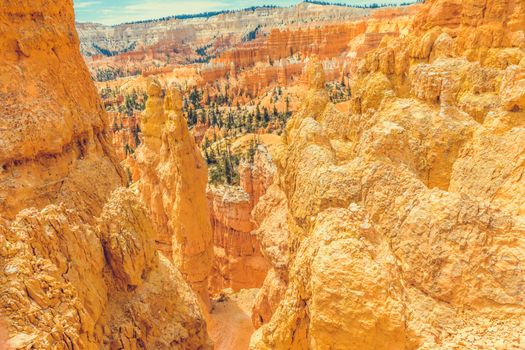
173 183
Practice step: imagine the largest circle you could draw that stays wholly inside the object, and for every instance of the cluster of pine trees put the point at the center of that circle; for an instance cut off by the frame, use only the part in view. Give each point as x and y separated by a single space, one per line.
133 102
224 164
229 122
214 113
218 112
203 14
112 73
339 91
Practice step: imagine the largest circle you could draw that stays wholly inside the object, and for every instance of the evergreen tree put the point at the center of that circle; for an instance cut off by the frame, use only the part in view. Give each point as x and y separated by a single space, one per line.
266 116
136 132
258 117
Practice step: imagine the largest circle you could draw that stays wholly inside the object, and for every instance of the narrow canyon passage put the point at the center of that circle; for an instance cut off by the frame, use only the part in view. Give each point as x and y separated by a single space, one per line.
210 230
239 266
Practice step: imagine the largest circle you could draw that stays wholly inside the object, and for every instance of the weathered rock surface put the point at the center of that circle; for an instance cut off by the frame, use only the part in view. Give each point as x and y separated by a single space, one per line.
173 184
78 264
272 233
238 260
404 218
58 287
49 159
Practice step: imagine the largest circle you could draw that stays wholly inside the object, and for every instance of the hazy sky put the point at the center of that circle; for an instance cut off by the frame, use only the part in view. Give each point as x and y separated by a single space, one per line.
119 11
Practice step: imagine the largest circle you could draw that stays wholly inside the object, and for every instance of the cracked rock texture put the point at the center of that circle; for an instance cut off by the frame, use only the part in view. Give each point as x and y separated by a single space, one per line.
402 220
79 268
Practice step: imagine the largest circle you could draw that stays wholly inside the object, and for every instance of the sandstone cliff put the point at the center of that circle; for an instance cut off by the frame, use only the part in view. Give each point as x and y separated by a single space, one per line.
173 184
404 218
238 260
79 267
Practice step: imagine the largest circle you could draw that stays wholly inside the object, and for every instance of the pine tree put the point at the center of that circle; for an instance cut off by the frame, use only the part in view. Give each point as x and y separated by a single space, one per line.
258 117
213 119
251 151
266 116
136 132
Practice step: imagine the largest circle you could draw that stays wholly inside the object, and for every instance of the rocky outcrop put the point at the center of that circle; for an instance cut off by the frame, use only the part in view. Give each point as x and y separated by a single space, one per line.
272 233
238 260
46 159
324 41
92 286
79 268
173 185
403 228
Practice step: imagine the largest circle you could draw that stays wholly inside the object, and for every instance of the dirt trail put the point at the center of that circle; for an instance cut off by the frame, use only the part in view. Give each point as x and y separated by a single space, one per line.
230 325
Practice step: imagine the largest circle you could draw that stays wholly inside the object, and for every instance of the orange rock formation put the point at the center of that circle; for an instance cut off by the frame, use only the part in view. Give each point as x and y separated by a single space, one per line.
173 184
78 264
404 218
238 261
323 41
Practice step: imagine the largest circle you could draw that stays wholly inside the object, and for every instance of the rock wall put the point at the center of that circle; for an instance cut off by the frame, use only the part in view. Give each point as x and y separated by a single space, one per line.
238 260
173 185
54 140
403 218
325 40
328 40
79 268
238 263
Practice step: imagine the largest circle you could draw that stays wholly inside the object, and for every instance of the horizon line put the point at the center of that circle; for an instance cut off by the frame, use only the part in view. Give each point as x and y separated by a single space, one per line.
213 13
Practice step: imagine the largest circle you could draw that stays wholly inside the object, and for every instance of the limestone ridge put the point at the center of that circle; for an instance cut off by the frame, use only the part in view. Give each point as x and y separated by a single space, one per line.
173 185
404 219
78 264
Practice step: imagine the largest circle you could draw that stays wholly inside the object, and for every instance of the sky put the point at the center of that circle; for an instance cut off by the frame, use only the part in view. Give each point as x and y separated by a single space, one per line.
119 11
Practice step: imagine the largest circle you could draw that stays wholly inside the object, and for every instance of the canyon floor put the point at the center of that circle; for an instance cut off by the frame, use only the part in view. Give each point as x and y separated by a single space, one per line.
230 324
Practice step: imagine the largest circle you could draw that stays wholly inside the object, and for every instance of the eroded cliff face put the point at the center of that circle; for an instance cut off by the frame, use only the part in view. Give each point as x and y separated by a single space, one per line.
79 268
404 218
53 127
173 184
238 260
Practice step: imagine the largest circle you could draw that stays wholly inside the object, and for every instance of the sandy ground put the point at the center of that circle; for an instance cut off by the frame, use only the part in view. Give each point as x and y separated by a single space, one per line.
231 326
